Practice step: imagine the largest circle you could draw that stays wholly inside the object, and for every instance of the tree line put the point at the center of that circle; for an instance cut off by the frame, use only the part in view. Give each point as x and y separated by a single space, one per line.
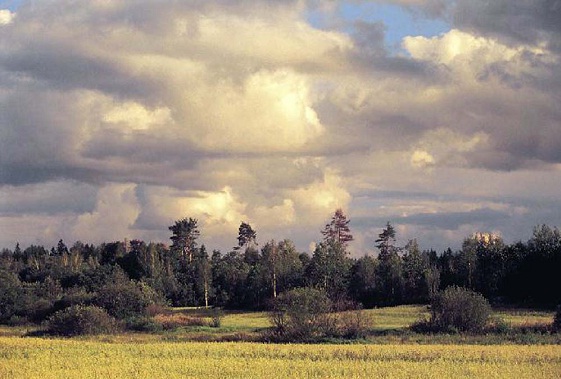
34 281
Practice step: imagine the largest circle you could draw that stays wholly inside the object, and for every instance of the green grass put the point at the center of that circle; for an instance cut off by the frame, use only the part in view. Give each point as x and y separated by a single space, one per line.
395 318
389 318
390 325
246 321
525 317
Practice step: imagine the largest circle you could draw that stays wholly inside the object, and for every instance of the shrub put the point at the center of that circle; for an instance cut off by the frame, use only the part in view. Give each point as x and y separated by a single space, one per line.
460 309
144 324
557 319
11 292
79 320
353 324
302 314
39 310
216 317
74 297
125 299
498 325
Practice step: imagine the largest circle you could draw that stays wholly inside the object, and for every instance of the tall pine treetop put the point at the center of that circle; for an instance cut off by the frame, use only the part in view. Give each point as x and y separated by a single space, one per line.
338 229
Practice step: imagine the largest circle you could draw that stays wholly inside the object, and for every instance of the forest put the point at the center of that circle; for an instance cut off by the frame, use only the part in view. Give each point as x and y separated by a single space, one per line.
125 277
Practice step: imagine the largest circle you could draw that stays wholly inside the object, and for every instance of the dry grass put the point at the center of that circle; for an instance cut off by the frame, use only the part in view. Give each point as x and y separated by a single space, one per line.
176 320
46 359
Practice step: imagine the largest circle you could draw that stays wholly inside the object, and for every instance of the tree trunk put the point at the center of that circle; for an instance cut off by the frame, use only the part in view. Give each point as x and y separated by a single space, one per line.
274 284
206 293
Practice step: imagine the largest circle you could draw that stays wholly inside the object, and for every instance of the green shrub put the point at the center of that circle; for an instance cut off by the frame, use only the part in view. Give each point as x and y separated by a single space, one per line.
79 320
459 309
125 299
302 314
74 297
39 310
144 324
557 319
11 292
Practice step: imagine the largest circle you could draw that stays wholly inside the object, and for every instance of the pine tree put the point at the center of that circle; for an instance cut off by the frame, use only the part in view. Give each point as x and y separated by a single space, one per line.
184 238
389 267
386 240
246 236
338 229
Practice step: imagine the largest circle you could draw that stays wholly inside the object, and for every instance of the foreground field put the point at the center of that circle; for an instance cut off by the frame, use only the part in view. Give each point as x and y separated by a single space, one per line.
389 351
45 359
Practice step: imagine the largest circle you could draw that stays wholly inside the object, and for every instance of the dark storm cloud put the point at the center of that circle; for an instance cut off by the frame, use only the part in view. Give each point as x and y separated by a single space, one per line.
454 220
438 221
525 21
430 8
50 199
38 131
27 173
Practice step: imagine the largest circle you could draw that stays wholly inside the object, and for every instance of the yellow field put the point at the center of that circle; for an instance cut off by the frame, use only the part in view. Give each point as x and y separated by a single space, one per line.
55 358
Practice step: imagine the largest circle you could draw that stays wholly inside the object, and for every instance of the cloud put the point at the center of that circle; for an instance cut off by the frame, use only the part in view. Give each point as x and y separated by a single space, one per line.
432 8
117 118
51 198
6 17
496 93
517 21
115 212
421 158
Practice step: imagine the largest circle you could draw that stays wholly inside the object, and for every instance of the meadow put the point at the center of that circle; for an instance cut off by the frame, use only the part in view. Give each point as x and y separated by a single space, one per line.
390 351
55 358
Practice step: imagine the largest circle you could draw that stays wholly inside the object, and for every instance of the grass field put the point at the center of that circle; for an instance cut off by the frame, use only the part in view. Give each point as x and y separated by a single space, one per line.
390 318
53 358
391 351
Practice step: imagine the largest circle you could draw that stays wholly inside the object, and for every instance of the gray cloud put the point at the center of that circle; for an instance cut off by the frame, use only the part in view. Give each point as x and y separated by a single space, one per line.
50 199
431 8
453 220
139 113
523 21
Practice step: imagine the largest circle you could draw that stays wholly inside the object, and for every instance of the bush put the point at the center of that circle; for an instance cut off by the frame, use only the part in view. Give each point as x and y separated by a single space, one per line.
39 310
79 320
126 299
74 297
216 317
302 314
144 324
498 325
353 324
557 319
11 292
459 309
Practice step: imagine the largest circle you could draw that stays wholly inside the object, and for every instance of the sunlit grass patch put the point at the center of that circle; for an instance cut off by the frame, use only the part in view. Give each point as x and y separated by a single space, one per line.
400 317
525 317
246 320
46 359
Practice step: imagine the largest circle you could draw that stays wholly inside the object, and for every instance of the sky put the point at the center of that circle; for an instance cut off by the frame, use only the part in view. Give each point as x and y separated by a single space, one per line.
117 118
